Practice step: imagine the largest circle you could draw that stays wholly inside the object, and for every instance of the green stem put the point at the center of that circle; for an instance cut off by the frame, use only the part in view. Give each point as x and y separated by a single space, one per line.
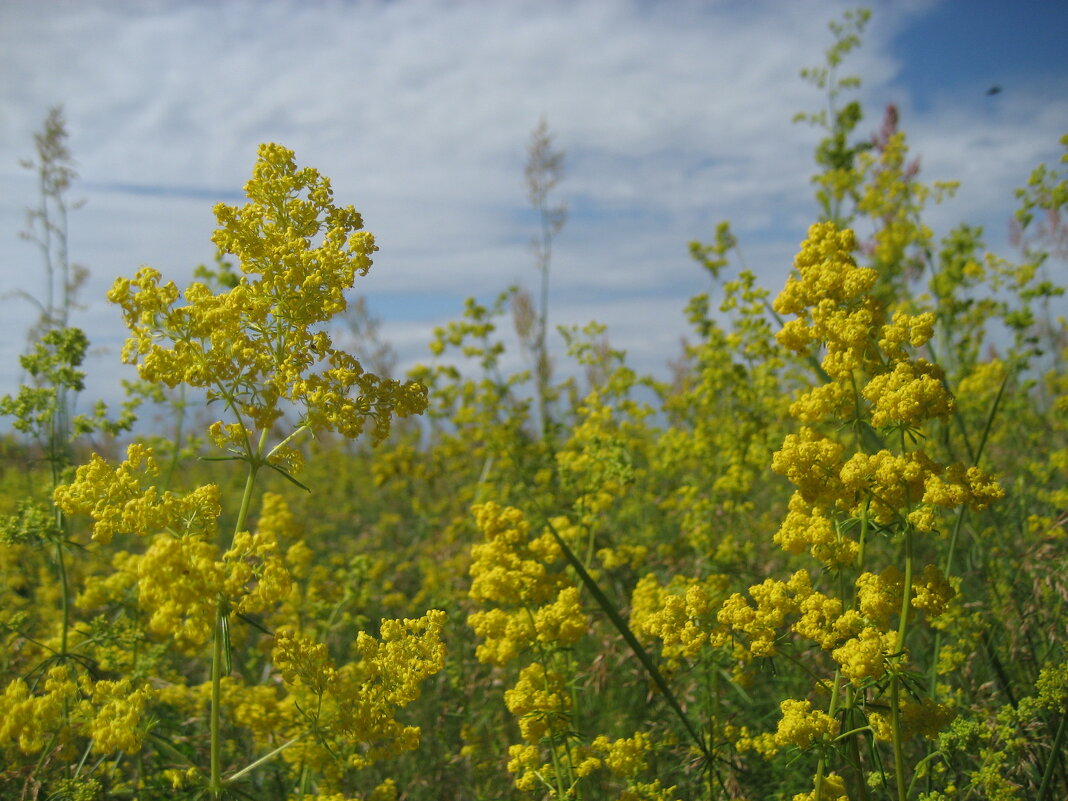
255 462
216 695
1047 774
832 710
714 724
895 723
854 746
895 684
178 432
263 759
64 597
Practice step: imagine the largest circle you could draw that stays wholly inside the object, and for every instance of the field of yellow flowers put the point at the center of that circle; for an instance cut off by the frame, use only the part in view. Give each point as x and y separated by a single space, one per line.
828 560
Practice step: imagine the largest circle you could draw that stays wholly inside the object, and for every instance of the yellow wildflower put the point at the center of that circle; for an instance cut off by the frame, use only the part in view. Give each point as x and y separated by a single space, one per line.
864 656
256 345
801 725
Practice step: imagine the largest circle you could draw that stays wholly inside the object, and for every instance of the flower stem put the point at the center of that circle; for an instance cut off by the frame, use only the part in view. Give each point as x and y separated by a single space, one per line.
254 462
216 686
895 684
64 597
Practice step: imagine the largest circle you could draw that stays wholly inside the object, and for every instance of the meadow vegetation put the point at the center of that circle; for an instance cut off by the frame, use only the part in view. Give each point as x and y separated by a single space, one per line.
824 560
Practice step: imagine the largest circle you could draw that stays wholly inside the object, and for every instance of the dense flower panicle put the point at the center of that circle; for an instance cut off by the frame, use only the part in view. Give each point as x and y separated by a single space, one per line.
179 580
561 622
908 395
826 271
116 725
299 659
119 502
807 526
958 486
892 482
356 703
66 705
256 346
865 656
811 461
405 652
775 602
529 597
681 614
510 568
505 635
28 719
827 297
910 486
800 725
833 789
823 402
540 702
932 592
879 596
626 757
914 330
825 621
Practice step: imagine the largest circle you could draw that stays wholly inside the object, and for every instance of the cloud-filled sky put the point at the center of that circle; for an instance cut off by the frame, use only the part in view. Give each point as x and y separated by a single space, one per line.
673 116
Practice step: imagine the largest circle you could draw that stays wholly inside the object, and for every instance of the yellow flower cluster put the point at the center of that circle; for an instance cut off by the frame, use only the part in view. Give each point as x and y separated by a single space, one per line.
625 757
256 575
879 595
182 579
828 297
891 486
800 725
118 501
533 601
682 615
793 604
908 395
914 330
833 310
924 718
932 592
256 346
178 582
31 719
300 659
775 601
811 461
109 712
541 702
119 711
822 620
864 657
833 789
356 704
807 526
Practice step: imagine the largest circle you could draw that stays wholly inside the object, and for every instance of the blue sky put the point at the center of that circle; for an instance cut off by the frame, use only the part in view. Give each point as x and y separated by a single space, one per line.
674 115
